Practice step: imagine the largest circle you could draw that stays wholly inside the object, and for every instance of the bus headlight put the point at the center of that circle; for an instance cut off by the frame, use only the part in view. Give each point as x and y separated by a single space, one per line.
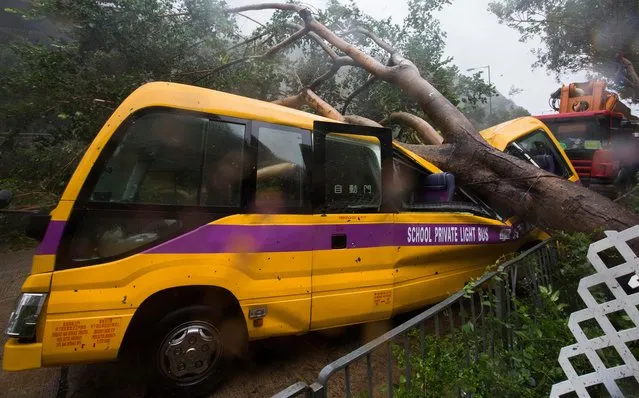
24 319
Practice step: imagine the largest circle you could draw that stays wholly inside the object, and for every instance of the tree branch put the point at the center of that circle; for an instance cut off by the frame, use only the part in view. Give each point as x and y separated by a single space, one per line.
266 6
403 73
426 132
269 53
289 40
376 39
337 65
220 68
308 97
360 57
632 79
369 82
251 19
321 42
361 120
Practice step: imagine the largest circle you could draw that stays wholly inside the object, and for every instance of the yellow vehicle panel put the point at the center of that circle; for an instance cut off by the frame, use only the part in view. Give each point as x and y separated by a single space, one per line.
443 251
504 133
347 282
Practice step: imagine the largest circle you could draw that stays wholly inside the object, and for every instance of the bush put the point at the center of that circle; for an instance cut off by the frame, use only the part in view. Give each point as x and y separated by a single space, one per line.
465 361
38 172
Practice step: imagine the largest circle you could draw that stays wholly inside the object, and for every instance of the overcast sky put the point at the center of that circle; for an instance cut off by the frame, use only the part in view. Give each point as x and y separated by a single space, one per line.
475 38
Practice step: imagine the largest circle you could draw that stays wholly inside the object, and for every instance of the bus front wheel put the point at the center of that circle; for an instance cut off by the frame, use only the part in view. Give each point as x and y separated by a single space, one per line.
190 351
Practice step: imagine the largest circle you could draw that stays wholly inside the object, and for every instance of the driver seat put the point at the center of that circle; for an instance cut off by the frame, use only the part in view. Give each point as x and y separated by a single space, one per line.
546 162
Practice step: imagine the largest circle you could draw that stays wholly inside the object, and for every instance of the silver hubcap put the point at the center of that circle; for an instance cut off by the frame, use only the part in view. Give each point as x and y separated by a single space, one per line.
190 351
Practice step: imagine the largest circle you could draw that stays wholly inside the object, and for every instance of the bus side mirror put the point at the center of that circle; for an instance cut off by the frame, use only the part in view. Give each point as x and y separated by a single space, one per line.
6 196
439 187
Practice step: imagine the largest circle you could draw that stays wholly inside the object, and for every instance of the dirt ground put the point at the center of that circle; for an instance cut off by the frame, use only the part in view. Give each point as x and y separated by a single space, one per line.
274 364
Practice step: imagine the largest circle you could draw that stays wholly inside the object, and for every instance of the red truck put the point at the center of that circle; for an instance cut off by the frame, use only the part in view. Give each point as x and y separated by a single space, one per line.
599 135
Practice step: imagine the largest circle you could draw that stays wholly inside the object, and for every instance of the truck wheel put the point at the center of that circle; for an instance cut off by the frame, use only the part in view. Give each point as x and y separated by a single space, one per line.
190 351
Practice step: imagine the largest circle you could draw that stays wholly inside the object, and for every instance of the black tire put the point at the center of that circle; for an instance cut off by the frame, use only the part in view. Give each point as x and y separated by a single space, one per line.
191 350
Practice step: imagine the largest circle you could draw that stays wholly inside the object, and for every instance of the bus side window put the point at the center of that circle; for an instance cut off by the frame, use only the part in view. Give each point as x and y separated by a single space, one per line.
353 172
223 160
157 162
164 158
281 181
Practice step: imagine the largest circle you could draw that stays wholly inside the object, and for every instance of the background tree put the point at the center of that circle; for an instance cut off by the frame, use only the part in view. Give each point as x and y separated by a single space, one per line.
592 35
67 64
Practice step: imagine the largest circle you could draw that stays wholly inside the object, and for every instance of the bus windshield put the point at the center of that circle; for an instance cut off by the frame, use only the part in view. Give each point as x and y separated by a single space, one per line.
538 149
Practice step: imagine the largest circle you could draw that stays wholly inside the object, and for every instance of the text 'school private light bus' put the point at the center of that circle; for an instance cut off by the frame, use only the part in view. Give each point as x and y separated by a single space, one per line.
198 220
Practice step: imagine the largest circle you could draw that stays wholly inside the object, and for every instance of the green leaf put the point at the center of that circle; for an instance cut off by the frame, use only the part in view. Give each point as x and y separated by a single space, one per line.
468 327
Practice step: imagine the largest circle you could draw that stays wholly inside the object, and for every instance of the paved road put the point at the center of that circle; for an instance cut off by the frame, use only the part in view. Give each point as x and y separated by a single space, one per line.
274 365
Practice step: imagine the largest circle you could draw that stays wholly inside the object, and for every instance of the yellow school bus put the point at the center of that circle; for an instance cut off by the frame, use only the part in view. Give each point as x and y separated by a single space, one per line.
199 220
530 139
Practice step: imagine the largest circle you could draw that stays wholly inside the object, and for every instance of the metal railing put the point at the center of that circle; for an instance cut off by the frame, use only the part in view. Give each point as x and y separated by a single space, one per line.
373 369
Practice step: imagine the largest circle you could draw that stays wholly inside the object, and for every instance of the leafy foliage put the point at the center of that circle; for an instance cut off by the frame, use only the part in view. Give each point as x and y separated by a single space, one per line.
577 34
476 359
62 89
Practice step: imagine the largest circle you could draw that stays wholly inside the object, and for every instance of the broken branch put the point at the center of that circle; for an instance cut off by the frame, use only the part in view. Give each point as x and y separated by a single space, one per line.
369 82
308 97
426 132
376 39
361 120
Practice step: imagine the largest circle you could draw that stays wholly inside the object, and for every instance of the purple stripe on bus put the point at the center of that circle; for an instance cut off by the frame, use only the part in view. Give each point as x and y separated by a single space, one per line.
215 238
52 236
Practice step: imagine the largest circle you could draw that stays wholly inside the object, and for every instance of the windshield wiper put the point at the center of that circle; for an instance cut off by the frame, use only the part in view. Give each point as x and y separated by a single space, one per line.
523 152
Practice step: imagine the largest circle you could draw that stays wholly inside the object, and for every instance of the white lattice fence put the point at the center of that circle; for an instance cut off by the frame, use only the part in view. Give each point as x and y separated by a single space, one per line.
600 312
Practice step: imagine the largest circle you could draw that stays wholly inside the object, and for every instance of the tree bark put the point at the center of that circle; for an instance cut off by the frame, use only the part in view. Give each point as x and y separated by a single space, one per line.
633 78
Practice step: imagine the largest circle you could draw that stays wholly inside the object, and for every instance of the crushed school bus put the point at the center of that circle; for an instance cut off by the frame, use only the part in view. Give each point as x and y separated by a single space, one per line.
199 220
530 139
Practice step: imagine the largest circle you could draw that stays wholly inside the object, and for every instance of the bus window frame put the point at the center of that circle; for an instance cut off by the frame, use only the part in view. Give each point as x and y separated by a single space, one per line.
307 139
555 151
83 206
83 199
320 131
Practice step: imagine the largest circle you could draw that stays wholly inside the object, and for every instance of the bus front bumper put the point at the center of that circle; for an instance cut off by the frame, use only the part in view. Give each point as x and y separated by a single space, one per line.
20 356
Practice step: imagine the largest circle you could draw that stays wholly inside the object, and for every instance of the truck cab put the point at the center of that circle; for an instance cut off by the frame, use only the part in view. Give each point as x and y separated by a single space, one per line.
600 146
597 132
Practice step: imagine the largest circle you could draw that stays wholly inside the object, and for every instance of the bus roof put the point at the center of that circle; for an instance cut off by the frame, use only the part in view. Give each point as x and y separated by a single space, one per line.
205 100
504 133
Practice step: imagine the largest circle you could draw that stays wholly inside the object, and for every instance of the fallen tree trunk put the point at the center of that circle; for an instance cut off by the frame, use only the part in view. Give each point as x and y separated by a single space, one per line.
506 182
539 197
